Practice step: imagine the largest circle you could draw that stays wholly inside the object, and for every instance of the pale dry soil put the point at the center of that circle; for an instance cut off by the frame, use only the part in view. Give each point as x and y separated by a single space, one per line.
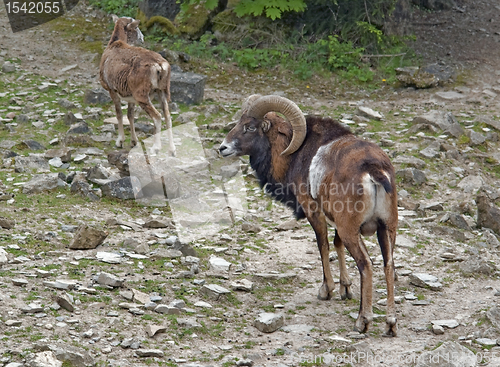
464 299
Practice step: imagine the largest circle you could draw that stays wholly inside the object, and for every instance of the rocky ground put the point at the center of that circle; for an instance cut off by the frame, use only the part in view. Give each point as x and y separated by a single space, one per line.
148 295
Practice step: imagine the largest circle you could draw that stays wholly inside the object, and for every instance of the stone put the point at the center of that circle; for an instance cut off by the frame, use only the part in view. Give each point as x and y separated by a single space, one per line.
476 265
440 357
96 96
475 138
109 279
6 223
31 145
449 95
488 214
66 302
79 128
486 342
31 163
98 172
297 328
425 281
458 221
202 304
8 67
189 116
64 284
63 102
214 291
493 315
42 359
87 237
410 161
120 189
3 256
157 223
442 120
268 322
242 285
437 329
82 187
450 324
369 113
412 175
168 310
189 323
187 88
140 297
42 182
416 77
167 253
156 353
218 264
74 357
250 228
13 323
178 303
430 152
152 330
288 225
19 282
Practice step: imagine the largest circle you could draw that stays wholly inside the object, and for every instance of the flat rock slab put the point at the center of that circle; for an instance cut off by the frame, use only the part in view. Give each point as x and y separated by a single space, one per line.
64 284
242 285
214 291
268 322
109 257
150 353
449 96
297 328
425 281
110 280
450 324
188 323
369 113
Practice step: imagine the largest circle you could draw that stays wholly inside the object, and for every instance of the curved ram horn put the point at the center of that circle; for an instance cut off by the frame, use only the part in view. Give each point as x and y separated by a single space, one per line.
290 110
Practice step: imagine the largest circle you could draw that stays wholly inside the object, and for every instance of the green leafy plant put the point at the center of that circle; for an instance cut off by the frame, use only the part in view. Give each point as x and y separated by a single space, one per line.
270 8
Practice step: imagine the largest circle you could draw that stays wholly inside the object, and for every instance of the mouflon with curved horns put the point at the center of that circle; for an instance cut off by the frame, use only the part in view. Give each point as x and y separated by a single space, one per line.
324 173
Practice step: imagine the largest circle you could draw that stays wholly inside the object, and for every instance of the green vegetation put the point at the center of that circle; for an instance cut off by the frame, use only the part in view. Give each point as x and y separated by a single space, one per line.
311 38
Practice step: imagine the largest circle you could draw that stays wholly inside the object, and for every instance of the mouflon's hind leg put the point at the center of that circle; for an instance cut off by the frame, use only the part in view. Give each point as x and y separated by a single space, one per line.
168 121
119 117
353 243
345 281
131 117
386 240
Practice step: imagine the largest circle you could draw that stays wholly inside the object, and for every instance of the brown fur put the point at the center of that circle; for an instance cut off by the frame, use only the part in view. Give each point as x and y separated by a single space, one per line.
135 74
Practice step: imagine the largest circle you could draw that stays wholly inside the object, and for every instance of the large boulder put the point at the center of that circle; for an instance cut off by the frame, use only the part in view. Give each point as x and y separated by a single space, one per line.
165 8
187 88
488 215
